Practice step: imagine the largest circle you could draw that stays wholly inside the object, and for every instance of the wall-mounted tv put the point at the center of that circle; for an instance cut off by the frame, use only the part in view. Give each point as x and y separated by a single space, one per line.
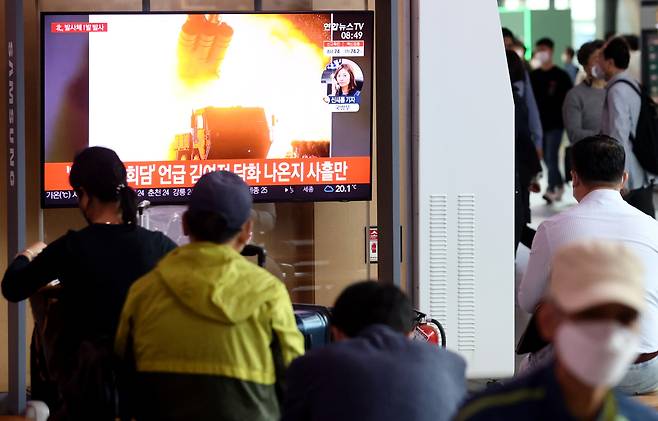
284 100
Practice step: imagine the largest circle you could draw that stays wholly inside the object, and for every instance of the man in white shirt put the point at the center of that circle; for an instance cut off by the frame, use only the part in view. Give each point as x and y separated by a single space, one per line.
598 176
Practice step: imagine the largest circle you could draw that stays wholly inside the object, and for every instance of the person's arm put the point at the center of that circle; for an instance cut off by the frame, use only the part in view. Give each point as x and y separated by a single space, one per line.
619 123
285 328
296 405
572 113
33 269
534 121
536 276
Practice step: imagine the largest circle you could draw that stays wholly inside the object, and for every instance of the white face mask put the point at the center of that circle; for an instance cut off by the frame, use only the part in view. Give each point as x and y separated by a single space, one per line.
543 57
597 72
598 353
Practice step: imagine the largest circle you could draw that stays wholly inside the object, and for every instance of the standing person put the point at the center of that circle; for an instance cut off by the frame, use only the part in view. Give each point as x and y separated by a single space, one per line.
621 112
525 91
95 267
569 66
601 213
210 332
527 162
592 312
550 84
583 105
374 371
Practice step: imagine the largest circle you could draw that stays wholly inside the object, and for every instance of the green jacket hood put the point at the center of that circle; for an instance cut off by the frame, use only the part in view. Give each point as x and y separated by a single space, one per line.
215 281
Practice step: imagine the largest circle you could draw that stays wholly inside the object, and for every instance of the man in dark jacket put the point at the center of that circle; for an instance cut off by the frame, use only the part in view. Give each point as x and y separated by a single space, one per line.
550 85
374 371
527 165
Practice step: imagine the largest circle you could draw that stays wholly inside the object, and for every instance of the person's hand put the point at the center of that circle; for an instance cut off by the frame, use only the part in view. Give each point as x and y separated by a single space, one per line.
33 251
534 187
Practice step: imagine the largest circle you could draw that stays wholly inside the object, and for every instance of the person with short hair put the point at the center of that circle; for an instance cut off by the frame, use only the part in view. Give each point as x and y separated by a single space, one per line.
598 176
374 371
621 112
550 84
525 91
592 315
583 104
211 333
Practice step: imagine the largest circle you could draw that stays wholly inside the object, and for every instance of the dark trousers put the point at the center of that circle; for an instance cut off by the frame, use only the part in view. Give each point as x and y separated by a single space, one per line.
642 199
552 141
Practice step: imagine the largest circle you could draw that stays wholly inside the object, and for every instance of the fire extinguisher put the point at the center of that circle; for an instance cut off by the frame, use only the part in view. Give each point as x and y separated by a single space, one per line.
428 330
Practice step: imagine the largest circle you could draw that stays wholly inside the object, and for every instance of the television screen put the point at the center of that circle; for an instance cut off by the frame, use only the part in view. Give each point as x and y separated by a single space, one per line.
283 100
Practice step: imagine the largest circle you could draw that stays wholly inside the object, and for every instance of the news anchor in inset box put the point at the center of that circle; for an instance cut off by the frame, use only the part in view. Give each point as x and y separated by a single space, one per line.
345 81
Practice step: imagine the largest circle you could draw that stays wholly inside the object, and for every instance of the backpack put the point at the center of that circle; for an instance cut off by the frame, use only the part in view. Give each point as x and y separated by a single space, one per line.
645 141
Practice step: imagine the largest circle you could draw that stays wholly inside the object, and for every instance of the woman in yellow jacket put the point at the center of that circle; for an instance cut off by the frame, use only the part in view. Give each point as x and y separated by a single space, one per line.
209 332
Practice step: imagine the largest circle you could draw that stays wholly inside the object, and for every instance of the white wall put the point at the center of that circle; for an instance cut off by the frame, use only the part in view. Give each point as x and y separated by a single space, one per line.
465 197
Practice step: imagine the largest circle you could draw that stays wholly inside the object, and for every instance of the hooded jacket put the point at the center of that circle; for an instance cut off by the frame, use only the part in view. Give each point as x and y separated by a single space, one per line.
206 312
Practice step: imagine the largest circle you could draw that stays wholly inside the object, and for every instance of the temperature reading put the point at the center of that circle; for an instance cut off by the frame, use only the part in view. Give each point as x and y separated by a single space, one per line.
345 188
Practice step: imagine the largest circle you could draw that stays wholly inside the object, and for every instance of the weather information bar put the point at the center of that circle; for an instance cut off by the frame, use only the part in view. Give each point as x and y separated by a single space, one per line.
260 194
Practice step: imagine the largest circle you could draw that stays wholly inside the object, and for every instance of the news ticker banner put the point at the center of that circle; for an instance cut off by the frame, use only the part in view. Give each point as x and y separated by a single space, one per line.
265 172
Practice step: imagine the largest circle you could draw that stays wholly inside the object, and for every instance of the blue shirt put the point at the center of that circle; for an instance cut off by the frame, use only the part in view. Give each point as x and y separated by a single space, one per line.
538 397
377 376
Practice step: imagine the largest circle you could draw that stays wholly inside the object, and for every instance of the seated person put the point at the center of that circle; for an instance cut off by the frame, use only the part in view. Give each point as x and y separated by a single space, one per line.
601 213
595 299
374 371
95 267
209 330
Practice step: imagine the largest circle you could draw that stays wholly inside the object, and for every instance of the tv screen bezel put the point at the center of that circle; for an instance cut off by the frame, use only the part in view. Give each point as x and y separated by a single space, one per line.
368 13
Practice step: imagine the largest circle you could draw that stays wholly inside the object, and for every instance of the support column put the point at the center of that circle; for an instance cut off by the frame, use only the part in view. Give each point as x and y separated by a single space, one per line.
387 80
15 179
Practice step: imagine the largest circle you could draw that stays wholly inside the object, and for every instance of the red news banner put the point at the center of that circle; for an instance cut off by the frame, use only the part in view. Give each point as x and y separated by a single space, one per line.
77 27
265 172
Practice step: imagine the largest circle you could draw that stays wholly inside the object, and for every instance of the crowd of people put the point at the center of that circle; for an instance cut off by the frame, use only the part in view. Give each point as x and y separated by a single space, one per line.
152 331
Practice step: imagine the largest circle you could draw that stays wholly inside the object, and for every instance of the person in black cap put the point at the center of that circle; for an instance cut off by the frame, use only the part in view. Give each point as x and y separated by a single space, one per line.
95 267
209 331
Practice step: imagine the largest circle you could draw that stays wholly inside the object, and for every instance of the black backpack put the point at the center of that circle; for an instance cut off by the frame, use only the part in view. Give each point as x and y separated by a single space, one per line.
645 141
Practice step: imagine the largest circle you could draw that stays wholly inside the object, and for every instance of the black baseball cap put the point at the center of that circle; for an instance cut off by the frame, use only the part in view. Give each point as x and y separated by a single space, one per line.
223 193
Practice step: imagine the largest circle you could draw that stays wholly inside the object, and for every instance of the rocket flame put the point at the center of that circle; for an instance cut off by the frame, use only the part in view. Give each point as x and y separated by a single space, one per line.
139 101
269 64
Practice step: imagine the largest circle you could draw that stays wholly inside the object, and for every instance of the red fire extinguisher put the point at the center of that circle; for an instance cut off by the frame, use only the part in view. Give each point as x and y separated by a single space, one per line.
429 330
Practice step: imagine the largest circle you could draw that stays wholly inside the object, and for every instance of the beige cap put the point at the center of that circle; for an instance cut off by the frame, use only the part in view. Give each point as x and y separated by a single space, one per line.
593 272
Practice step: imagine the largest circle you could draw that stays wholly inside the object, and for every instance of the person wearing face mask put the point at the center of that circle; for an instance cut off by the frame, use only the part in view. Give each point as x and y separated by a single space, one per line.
524 88
583 105
591 314
621 112
95 267
601 213
550 84
210 332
